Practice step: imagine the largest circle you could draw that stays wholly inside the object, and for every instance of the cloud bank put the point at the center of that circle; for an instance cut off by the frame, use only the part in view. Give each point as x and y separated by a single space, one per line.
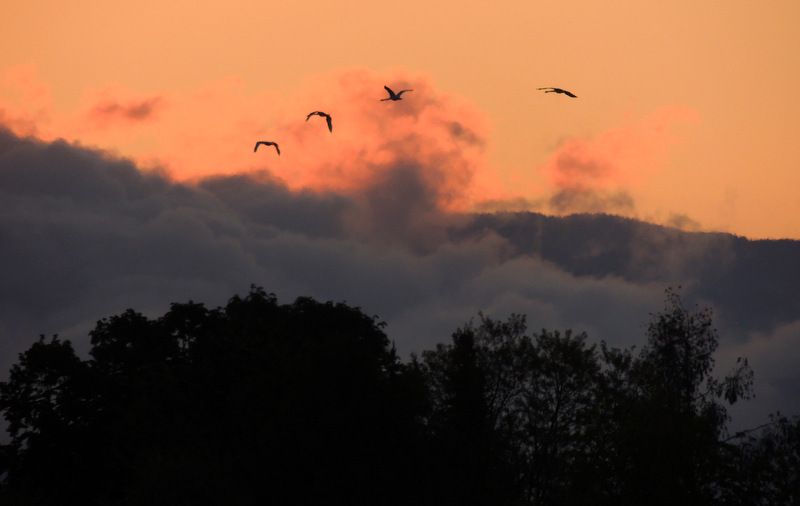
86 234
210 130
381 213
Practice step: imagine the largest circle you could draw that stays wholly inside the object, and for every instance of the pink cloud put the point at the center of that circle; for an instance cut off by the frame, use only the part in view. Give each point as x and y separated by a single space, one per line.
119 110
598 174
443 133
25 102
212 130
437 137
618 157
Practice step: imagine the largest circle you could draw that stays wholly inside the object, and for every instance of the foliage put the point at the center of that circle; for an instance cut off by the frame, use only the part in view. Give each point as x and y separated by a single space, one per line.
257 402
247 403
671 425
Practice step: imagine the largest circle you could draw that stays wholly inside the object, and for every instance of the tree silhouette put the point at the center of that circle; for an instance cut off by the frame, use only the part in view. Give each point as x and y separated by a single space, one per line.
302 403
766 469
670 426
556 413
473 383
253 402
45 405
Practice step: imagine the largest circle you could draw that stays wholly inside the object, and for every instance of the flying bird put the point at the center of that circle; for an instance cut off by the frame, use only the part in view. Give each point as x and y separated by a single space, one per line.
267 143
393 95
558 90
327 117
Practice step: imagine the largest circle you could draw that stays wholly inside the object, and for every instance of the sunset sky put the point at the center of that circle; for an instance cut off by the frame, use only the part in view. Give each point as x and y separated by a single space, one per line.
688 112
128 177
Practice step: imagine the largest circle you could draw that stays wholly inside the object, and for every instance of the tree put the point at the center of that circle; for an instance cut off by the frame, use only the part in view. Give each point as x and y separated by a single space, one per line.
248 403
765 469
46 406
307 402
513 412
671 425
473 383
554 417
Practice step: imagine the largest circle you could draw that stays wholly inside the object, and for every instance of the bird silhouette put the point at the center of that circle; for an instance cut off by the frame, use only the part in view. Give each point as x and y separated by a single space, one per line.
267 143
327 117
393 95
558 90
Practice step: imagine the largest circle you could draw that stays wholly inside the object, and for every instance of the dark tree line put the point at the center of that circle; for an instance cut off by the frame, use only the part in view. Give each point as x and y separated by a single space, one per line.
308 403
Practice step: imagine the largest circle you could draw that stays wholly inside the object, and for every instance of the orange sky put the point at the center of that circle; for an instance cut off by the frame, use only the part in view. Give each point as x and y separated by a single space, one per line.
688 112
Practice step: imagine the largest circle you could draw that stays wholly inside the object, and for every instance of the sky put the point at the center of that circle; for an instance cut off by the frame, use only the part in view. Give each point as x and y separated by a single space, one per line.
686 113
128 177
86 235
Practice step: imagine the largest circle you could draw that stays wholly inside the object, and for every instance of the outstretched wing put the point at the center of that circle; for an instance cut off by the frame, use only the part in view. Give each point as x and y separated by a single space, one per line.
557 90
391 93
401 92
330 122
267 143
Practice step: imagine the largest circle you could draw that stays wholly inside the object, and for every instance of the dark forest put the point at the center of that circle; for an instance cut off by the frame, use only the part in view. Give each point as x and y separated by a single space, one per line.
258 402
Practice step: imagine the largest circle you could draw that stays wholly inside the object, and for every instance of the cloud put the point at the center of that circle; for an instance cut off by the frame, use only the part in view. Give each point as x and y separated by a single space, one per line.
108 111
442 133
211 130
87 234
774 357
25 102
683 222
600 173
573 200
377 213
439 137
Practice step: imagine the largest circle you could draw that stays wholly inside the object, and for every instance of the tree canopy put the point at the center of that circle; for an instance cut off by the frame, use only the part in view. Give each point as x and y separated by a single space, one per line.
258 402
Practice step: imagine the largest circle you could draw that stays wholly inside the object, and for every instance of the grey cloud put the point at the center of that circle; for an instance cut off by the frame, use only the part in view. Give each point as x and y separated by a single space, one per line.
400 208
459 131
84 235
511 205
683 222
750 284
139 110
572 200
266 202
774 357
568 163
